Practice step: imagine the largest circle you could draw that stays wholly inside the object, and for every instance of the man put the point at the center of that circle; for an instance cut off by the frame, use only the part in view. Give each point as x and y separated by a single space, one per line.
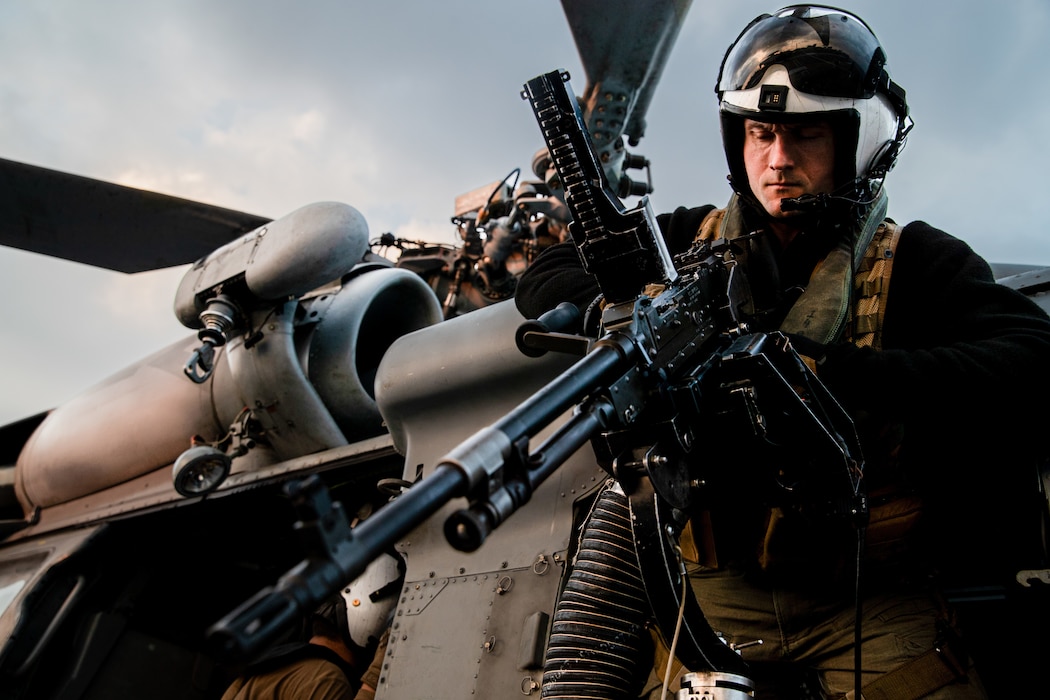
322 668
342 638
906 326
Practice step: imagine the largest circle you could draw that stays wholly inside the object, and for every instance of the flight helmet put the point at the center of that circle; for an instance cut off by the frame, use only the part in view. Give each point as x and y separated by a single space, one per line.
360 612
812 60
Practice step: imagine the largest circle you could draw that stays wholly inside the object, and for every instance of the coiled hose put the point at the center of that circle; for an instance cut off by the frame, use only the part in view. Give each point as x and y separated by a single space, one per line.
598 633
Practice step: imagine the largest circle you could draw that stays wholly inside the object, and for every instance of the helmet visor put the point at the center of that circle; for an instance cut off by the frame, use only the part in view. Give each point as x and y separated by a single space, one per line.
826 52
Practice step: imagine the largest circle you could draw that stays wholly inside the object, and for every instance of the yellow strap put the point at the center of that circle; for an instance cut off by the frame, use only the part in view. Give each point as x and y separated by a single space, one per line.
709 227
872 284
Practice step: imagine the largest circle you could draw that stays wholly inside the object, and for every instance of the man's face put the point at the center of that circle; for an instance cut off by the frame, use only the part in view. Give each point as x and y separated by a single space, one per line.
788 160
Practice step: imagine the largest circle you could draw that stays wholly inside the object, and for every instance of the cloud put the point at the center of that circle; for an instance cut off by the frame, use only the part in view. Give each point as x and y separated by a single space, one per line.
396 109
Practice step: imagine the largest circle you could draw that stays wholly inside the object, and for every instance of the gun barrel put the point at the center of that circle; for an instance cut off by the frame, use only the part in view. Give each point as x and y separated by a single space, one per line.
247 631
256 623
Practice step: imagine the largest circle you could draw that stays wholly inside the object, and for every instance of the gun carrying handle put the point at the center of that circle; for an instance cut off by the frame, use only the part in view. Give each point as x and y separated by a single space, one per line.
557 329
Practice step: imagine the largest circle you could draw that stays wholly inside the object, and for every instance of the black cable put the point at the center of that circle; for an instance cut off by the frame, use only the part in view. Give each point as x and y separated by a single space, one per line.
857 636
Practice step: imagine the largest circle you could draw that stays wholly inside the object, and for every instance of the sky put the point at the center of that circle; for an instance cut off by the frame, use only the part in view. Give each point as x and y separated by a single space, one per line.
398 106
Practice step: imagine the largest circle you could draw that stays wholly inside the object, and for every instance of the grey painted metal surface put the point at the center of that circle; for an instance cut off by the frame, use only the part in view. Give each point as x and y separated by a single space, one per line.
467 623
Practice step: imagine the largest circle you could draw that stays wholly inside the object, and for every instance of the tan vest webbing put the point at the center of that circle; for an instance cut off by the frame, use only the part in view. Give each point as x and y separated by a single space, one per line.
871 281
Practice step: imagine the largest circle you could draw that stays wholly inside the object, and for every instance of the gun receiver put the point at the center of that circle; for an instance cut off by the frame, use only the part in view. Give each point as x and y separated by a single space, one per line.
622 249
688 329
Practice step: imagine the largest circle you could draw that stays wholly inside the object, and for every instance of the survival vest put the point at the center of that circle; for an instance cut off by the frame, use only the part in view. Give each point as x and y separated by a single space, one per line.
820 310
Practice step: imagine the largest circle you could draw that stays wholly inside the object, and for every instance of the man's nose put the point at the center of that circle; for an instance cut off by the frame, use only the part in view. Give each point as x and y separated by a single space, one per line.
781 153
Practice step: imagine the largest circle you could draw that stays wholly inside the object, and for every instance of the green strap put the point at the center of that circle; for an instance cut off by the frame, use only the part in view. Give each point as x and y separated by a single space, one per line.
821 311
919 677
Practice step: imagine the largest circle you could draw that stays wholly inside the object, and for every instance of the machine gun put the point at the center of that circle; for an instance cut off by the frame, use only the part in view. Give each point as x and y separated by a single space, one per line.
675 356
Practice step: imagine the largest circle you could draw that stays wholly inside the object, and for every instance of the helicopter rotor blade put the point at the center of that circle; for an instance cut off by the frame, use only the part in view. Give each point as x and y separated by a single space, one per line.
623 46
108 225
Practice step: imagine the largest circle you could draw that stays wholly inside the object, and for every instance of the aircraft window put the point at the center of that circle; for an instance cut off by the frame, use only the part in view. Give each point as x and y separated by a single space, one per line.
14 575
